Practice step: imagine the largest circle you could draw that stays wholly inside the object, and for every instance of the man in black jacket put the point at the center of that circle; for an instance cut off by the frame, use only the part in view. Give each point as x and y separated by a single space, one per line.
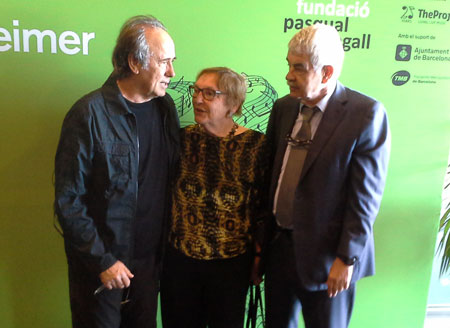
116 150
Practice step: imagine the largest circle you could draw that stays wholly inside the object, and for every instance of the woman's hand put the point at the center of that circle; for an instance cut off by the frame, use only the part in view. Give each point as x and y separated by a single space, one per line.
255 276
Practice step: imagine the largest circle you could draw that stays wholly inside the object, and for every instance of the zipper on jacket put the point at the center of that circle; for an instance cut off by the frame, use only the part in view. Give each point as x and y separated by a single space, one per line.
132 224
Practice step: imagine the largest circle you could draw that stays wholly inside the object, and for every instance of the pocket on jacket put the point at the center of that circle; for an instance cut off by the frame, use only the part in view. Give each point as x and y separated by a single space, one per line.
116 157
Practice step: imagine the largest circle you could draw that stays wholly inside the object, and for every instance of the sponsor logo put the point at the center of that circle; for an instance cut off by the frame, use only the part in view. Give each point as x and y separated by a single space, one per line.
400 78
403 52
408 13
424 16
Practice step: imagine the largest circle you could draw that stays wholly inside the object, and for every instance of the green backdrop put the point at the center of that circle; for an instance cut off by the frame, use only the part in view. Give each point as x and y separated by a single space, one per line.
399 54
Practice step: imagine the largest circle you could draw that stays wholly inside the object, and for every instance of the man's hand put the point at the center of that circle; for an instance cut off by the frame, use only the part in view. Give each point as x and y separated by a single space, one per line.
339 278
117 276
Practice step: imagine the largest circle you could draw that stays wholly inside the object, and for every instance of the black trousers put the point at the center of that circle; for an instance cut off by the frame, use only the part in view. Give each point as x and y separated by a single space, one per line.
200 293
134 307
285 296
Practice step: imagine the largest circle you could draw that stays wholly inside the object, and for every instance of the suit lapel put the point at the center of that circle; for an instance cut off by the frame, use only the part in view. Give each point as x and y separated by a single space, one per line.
288 121
330 120
287 116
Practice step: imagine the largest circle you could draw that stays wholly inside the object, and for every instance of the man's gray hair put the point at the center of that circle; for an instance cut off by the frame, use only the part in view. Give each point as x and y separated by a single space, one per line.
322 44
132 40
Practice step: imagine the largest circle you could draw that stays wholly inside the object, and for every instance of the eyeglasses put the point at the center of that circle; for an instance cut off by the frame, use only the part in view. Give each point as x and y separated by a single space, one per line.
127 297
207 93
125 300
301 143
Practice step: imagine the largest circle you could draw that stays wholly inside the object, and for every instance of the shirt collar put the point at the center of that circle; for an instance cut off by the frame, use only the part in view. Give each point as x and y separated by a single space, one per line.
323 103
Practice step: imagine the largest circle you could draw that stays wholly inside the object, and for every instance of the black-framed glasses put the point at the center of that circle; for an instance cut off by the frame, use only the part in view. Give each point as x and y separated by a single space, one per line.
301 143
207 93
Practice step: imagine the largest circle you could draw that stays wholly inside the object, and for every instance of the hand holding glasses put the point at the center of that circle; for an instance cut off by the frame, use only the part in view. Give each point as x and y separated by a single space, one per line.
124 301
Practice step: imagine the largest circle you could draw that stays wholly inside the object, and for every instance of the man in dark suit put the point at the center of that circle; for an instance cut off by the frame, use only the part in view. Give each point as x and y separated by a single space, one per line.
330 153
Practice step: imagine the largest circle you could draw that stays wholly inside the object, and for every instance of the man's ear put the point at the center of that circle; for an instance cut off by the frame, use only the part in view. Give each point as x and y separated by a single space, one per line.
327 73
133 64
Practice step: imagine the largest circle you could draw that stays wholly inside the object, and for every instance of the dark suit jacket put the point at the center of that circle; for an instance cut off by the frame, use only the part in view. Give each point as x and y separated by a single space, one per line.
340 188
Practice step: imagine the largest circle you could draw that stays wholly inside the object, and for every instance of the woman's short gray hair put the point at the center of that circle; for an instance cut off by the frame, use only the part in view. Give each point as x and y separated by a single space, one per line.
132 40
231 83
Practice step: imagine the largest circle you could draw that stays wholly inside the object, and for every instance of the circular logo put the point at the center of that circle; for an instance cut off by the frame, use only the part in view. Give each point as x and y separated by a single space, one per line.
400 77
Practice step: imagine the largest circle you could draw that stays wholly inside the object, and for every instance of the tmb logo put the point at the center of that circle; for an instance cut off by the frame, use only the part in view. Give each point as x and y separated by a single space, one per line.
400 77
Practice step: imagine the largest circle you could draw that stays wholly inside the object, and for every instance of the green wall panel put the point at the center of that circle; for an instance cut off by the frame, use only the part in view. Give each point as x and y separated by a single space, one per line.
37 89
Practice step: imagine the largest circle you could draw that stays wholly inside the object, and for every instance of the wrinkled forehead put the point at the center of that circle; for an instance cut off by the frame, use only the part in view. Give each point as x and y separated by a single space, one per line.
160 43
297 58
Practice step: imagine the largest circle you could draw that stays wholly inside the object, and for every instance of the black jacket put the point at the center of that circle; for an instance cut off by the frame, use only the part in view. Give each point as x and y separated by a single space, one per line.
96 175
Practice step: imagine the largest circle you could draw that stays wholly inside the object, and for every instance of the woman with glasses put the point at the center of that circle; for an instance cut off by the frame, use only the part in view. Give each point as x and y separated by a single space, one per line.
213 250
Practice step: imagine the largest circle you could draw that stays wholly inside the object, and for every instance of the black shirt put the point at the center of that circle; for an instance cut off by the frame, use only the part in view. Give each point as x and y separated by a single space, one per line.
152 180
